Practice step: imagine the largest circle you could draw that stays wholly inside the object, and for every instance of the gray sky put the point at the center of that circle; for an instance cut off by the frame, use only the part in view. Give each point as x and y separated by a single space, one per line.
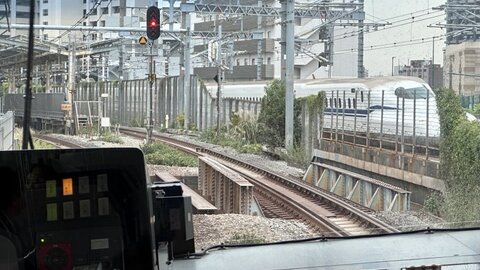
378 61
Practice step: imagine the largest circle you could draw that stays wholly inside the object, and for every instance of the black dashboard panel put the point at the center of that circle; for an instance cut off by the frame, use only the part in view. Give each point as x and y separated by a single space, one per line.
76 208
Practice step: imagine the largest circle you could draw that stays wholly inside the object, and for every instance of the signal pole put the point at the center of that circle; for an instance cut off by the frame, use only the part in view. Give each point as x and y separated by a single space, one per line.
153 33
151 78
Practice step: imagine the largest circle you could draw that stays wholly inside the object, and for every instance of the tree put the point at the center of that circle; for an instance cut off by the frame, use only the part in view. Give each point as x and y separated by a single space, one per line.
272 116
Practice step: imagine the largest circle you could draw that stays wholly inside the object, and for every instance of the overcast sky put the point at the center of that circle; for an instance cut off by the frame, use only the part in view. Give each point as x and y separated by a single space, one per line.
378 61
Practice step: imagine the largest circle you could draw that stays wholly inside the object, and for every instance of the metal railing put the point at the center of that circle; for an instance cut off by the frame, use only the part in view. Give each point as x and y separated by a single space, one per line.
407 123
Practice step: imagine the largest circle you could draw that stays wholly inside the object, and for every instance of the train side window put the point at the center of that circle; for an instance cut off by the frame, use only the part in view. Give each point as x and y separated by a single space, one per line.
361 96
339 102
354 103
335 100
349 103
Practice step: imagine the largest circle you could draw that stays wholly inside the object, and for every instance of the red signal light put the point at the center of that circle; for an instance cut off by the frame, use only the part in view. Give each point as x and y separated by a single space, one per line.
153 23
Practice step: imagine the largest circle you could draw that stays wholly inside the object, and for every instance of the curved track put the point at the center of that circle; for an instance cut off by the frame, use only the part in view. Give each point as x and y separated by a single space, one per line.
59 143
290 198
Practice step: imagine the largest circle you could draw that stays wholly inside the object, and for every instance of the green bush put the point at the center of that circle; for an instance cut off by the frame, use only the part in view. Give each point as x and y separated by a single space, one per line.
245 239
296 157
433 203
161 154
110 137
180 120
271 120
251 149
460 159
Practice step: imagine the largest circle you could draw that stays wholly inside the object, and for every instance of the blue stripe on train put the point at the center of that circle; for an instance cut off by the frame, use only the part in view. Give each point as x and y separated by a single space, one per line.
353 112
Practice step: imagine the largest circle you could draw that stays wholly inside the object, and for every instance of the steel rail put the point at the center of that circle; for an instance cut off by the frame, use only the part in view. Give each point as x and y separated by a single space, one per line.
341 205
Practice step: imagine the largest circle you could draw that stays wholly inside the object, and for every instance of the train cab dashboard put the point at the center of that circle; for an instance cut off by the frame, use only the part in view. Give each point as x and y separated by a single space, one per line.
74 209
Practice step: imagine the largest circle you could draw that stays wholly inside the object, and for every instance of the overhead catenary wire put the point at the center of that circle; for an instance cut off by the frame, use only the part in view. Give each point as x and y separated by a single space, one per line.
401 43
356 32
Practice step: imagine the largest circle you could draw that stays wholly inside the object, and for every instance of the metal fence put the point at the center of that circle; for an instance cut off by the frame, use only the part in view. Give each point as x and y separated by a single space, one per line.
469 102
405 122
128 103
7 131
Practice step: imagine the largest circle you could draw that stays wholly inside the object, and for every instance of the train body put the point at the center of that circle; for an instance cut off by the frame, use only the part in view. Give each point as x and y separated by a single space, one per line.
403 106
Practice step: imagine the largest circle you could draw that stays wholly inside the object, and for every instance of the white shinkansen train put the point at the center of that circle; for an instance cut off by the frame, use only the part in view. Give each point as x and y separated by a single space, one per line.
391 105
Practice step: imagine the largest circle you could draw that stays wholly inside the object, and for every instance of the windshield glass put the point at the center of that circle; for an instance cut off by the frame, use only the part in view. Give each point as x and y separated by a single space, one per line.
412 93
341 118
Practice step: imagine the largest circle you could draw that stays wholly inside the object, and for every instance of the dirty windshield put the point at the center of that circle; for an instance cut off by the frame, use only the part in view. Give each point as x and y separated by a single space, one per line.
281 120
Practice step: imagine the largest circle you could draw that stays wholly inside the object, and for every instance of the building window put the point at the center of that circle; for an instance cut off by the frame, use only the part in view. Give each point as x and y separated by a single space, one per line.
238 62
361 96
331 103
45 23
253 61
94 23
45 12
45 1
269 60
326 103
102 23
105 10
245 61
340 103
84 12
45 36
354 103
116 10
269 34
84 1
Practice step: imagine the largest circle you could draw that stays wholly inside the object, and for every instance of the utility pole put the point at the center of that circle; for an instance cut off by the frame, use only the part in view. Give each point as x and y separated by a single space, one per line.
433 63
289 70
71 84
283 40
259 44
187 73
360 67
219 76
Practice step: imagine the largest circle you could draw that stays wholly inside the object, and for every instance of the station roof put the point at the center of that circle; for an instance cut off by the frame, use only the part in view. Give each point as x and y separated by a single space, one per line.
445 248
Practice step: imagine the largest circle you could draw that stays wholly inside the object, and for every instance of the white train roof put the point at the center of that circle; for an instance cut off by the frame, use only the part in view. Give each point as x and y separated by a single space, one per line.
312 86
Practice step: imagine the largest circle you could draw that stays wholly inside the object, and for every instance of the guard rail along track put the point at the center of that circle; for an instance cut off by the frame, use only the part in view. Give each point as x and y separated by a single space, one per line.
341 216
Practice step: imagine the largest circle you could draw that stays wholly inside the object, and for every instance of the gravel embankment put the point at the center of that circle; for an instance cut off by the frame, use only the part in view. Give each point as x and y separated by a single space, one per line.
410 220
210 230
265 161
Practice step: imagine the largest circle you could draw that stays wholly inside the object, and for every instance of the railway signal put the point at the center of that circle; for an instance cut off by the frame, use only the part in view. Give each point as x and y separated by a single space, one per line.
153 23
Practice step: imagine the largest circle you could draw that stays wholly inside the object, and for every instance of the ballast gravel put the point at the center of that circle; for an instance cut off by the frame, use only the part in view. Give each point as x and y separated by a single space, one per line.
231 228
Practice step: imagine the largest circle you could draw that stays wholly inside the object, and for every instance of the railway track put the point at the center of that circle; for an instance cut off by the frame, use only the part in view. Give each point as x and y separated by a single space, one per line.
290 198
57 142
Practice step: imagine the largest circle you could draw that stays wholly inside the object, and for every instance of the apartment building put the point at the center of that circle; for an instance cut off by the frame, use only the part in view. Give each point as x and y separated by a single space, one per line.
461 54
